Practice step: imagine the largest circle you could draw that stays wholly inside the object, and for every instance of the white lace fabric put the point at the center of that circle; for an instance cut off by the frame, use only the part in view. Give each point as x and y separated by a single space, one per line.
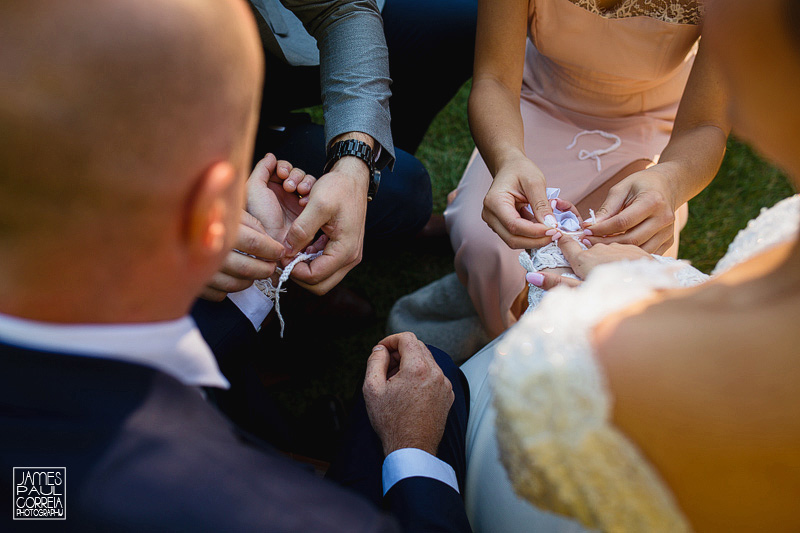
550 256
554 433
674 11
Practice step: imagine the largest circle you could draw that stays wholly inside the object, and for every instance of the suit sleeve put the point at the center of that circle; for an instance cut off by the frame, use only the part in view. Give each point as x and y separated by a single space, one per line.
354 68
426 505
224 327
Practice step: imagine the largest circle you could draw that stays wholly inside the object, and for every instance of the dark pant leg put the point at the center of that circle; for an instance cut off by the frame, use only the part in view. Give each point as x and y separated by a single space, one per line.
360 461
431 45
404 202
233 340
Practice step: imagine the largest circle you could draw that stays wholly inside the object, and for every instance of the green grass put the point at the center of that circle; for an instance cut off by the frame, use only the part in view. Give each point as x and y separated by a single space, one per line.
744 185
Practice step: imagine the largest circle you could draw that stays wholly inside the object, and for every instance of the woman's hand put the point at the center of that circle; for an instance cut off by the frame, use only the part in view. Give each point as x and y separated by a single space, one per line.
584 261
517 184
639 210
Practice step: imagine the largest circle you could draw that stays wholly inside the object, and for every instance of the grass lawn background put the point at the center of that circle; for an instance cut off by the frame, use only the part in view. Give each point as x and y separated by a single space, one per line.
744 184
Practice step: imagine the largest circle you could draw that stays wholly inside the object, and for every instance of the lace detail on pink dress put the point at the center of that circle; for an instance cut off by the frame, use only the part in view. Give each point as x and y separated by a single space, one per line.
674 11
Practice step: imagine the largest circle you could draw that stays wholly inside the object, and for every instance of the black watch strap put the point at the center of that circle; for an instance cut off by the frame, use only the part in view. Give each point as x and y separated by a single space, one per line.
360 150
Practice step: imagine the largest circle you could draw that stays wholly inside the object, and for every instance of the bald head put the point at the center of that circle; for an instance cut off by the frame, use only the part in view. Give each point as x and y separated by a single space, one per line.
109 101
111 109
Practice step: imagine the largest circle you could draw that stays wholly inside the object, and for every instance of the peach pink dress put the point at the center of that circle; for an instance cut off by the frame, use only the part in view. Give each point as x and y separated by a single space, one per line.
621 72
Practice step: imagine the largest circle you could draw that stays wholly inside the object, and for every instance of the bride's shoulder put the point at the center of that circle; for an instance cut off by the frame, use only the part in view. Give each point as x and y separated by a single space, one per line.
772 226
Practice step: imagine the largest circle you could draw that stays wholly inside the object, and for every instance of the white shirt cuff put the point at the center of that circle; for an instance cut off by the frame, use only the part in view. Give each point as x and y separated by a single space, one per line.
253 303
413 462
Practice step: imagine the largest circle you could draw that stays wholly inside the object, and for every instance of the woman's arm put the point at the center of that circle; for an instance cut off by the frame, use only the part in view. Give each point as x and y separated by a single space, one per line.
640 209
496 124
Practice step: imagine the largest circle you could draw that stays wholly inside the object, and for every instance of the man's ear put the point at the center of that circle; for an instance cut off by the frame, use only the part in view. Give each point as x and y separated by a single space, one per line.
208 210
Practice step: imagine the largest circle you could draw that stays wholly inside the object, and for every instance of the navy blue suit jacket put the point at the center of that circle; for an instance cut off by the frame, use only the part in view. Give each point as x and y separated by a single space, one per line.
142 451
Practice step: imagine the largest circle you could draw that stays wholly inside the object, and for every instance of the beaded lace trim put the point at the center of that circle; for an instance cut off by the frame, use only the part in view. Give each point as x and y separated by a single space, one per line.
674 11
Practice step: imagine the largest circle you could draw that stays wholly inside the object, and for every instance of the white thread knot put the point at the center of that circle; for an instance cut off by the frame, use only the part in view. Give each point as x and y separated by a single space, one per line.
274 293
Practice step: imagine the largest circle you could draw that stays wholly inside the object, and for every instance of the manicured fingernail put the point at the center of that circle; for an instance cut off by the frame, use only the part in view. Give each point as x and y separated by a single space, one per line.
587 232
534 278
556 236
290 183
587 243
551 232
550 220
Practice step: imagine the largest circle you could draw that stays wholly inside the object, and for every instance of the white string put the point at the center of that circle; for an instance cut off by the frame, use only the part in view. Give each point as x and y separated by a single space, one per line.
274 293
583 155
592 217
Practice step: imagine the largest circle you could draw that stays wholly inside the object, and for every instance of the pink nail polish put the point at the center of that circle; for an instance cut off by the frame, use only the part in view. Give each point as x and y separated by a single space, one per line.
587 232
556 236
551 232
587 243
534 278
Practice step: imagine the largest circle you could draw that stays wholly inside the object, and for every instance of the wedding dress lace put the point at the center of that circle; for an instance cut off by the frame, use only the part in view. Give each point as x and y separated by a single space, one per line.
675 11
553 426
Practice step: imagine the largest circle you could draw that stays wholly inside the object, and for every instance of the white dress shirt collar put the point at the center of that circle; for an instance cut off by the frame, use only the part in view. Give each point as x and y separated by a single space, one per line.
174 347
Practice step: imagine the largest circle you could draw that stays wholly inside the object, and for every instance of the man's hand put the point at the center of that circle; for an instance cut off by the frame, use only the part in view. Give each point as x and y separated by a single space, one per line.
238 271
584 261
337 205
408 397
640 211
517 184
273 203
277 194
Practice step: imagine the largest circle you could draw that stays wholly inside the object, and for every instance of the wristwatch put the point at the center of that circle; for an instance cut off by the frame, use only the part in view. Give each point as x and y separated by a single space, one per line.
360 150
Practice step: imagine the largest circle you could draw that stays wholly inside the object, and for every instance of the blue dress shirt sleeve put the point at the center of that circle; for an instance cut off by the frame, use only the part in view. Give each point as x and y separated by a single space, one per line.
413 462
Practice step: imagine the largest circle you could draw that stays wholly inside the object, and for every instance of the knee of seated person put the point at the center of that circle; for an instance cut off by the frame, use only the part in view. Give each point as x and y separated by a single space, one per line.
409 187
444 361
478 254
453 373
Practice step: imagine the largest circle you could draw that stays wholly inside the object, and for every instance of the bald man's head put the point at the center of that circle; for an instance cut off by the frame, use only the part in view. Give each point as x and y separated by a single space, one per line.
114 106
126 130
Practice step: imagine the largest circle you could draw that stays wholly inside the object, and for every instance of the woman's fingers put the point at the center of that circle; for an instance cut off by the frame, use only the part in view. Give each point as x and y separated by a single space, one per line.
549 280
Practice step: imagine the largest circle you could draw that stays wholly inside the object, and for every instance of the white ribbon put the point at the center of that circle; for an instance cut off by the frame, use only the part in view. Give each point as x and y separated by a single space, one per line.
583 155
